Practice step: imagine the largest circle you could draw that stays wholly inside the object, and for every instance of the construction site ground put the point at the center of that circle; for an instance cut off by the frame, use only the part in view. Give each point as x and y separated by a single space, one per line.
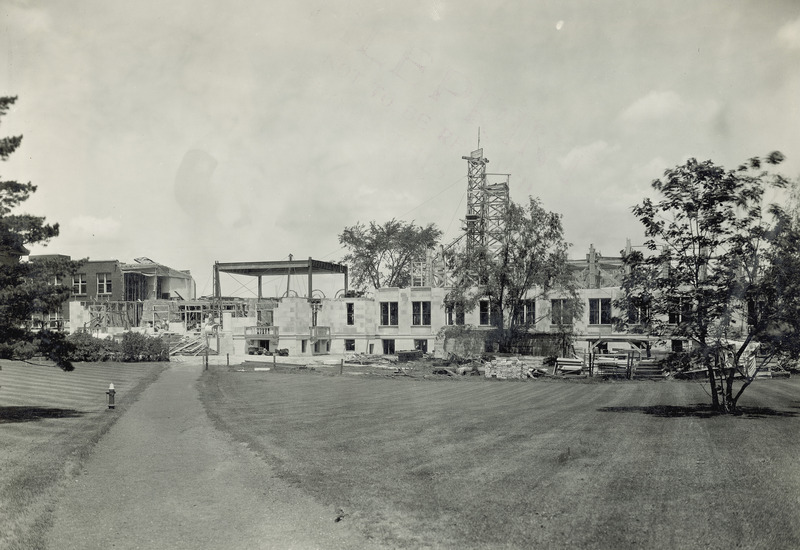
426 367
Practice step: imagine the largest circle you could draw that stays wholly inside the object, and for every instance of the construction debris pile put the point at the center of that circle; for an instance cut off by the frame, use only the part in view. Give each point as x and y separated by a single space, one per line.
185 344
369 359
515 368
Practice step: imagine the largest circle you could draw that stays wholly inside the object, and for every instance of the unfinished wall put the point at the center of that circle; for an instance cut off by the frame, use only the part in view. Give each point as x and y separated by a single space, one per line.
460 341
178 288
104 316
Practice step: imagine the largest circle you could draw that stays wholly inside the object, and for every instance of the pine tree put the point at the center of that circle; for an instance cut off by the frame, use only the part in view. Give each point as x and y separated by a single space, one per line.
33 287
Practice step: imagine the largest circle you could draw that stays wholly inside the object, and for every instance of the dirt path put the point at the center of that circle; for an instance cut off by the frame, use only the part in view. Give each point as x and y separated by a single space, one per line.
164 477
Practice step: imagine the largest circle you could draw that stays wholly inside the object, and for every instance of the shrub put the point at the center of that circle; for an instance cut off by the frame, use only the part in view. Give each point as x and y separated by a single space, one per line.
156 349
677 361
88 348
135 346
140 347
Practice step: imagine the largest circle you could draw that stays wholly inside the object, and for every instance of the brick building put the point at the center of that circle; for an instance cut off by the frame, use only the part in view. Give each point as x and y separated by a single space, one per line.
115 292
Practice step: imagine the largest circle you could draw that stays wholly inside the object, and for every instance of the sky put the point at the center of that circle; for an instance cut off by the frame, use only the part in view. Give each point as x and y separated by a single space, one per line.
198 131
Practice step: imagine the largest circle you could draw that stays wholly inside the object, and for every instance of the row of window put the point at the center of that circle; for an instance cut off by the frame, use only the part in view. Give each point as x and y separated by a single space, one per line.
525 313
561 313
80 284
420 313
389 346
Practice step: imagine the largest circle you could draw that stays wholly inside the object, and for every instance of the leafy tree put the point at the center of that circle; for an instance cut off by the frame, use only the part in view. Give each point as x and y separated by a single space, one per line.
531 264
28 288
382 255
720 271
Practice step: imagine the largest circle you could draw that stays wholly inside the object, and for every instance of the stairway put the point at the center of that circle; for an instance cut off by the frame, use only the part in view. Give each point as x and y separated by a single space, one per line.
191 345
648 369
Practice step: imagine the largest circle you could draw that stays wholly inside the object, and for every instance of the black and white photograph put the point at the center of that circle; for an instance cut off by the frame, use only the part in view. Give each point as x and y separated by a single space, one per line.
399 275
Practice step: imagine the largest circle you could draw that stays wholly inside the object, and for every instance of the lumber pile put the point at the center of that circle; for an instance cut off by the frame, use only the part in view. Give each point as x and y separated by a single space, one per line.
191 345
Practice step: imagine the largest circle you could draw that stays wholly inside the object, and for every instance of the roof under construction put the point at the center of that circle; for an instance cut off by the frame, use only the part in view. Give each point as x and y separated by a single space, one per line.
149 268
277 268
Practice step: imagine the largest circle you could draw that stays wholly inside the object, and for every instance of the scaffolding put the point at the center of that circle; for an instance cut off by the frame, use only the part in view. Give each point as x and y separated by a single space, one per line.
484 224
476 184
103 315
431 271
495 210
487 206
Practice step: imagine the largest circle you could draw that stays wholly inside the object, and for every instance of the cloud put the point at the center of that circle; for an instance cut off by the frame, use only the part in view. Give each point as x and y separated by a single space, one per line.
653 106
102 228
587 156
28 19
437 10
789 35
649 171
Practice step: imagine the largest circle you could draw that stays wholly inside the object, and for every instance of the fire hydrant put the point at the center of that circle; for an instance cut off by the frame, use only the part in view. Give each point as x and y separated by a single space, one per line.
111 391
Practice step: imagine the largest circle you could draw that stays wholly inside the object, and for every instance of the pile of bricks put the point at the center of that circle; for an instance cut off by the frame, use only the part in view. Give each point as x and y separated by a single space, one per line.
514 368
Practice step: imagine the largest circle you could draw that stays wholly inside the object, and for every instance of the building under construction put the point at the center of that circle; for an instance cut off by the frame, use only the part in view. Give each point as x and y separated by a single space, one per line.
112 297
389 320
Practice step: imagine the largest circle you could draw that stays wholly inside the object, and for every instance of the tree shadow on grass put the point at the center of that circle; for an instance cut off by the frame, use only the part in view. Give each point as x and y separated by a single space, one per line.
10 415
699 410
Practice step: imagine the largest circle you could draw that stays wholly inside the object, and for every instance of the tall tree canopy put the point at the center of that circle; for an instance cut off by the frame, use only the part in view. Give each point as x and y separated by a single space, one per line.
530 264
381 255
28 288
720 270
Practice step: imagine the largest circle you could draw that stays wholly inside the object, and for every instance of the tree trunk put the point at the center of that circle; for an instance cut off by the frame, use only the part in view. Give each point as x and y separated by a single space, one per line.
730 401
712 381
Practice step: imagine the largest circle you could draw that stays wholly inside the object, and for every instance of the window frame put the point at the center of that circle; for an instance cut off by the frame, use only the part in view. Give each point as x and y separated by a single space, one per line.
681 308
484 313
526 313
80 281
599 311
421 313
389 314
638 314
350 313
560 306
105 284
454 314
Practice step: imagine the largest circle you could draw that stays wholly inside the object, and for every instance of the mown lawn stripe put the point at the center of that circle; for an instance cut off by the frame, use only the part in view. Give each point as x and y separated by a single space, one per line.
39 448
486 464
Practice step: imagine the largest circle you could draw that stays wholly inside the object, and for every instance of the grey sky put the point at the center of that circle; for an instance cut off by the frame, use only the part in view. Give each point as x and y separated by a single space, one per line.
194 131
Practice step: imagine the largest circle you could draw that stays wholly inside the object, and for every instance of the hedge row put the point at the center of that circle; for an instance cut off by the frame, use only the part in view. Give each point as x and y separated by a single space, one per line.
134 346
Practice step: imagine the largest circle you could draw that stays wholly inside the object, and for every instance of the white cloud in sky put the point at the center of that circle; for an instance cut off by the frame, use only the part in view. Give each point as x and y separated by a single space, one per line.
587 156
651 170
656 105
437 10
789 34
28 18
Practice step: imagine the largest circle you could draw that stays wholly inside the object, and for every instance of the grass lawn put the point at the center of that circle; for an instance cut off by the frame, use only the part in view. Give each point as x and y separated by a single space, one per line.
49 422
475 463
